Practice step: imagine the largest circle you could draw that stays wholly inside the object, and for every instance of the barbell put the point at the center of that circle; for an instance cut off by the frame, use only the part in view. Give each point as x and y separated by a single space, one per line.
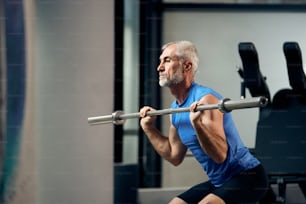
225 105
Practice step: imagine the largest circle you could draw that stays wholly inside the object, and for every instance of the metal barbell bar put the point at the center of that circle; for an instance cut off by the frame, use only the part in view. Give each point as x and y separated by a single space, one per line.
225 105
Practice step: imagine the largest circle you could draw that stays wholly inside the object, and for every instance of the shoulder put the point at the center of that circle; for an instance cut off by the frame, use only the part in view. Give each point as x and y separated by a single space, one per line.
201 91
209 99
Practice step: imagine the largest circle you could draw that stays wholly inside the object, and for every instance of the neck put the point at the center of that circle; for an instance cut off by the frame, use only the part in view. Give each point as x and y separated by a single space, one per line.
180 91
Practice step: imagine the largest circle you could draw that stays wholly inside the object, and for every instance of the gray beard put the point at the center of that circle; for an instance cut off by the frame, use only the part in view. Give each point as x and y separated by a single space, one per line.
177 78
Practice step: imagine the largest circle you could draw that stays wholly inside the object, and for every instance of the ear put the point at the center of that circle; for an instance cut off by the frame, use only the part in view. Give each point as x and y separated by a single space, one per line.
187 66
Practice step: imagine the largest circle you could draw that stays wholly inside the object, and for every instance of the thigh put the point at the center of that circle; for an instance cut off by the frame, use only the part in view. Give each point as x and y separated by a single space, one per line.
196 193
212 198
247 187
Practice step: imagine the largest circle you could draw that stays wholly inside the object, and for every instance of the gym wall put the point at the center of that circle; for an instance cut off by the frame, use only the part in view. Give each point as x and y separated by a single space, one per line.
74 57
51 154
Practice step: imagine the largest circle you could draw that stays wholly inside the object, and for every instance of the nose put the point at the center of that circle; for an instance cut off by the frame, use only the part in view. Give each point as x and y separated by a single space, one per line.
160 67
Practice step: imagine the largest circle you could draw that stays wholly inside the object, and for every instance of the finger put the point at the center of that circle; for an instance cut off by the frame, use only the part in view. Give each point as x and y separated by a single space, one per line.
143 111
194 106
197 105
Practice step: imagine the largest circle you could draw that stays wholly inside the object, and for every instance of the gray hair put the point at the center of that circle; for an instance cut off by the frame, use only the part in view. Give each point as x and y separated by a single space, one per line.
186 50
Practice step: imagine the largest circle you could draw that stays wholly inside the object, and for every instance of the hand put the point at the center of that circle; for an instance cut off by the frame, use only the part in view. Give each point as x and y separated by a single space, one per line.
146 120
195 115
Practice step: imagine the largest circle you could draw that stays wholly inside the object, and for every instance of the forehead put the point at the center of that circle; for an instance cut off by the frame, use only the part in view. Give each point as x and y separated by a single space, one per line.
168 51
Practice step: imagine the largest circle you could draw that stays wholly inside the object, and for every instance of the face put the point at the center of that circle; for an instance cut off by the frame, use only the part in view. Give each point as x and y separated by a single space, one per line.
170 69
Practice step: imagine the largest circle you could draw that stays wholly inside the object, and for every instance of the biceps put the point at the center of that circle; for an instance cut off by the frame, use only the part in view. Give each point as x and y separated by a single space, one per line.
214 116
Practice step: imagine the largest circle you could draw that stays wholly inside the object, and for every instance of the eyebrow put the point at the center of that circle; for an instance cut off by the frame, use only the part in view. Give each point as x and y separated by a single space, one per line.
167 57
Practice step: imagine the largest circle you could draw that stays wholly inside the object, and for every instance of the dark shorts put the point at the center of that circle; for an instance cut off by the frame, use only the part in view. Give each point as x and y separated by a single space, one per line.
246 188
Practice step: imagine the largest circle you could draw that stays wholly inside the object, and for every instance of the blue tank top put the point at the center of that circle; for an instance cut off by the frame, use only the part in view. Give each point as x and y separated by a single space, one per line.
238 159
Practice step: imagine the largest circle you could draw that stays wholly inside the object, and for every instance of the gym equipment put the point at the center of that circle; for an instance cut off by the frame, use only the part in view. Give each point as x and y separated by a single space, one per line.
280 143
225 105
250 72
294 62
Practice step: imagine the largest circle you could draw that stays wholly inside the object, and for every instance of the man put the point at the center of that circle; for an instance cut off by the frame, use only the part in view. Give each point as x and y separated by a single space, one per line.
235 175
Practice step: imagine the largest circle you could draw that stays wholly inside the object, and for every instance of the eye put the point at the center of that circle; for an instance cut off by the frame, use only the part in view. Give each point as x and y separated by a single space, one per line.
167 59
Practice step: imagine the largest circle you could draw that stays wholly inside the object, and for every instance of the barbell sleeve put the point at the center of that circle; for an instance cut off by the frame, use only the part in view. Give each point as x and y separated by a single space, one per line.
225 105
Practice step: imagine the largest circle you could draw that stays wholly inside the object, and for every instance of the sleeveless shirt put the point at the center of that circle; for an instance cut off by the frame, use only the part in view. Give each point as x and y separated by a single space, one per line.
238 159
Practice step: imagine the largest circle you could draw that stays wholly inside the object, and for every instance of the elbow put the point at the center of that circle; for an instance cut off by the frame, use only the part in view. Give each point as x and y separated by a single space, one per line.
221 156
220 159
175 162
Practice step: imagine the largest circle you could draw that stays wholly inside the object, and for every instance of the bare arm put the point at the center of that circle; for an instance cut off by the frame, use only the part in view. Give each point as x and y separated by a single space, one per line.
171 147
208 125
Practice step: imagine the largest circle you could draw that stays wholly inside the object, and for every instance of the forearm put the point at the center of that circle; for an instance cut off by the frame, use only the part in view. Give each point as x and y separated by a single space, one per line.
170 148
212 140
160 142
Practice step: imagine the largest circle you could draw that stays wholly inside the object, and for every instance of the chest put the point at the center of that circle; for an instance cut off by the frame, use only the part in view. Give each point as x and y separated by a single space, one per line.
184 128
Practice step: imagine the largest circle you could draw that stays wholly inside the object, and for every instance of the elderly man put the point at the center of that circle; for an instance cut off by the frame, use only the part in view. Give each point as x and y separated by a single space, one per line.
235 175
